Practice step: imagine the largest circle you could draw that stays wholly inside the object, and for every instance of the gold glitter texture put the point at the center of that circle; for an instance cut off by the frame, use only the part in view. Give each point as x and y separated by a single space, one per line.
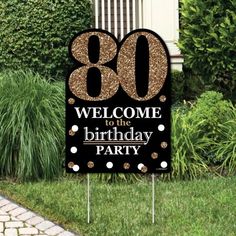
90 164
126 166
71 164
162 98
164 144
158 66
154 155
78 78
144 169
71 101
71 133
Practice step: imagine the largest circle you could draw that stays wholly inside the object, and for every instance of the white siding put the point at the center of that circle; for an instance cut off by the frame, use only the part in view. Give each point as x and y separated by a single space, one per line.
161 16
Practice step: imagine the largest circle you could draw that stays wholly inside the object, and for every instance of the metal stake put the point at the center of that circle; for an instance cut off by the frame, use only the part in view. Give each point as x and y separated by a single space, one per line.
153 198
88 198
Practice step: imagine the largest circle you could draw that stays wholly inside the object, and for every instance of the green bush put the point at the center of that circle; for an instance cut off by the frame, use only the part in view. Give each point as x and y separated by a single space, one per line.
177 86
207 39
219 127
31 126
186 85
211 108
187 145
203 137
225 150
35 34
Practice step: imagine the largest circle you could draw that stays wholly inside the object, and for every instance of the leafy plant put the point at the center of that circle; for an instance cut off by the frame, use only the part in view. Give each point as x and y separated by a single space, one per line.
177 86
187 145
35 34
216 112
204 136
31 126
213 109
207 39
187 85
226 149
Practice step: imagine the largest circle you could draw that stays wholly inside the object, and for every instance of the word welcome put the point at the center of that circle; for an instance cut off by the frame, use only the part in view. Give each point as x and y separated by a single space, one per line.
118 112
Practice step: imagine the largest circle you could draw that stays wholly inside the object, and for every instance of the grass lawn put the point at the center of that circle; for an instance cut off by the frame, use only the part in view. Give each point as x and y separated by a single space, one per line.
202 207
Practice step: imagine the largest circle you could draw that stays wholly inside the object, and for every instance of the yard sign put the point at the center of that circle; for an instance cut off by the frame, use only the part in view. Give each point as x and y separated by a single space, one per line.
118 104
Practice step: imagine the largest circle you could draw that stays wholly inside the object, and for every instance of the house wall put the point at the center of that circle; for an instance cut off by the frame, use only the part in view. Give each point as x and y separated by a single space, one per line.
123 15
162 16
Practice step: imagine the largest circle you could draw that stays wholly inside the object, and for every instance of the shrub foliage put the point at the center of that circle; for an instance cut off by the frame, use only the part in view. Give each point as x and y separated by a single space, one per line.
203 136
35 34
208 36
187 146
177 87
31 126
186 86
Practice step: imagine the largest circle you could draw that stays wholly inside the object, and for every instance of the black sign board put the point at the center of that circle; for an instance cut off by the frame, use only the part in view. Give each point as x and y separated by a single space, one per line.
118 104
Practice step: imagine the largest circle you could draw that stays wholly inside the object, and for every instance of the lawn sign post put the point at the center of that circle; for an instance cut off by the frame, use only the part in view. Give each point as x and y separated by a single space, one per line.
118 105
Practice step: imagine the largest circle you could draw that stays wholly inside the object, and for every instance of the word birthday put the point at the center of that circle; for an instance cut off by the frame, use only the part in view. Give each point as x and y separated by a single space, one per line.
118 112
113 136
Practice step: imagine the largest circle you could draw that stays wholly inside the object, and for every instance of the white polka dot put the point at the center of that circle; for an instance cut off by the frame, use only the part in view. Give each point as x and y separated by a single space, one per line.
161 127
164 164
109 165
75 128
75 168
73 149
140 166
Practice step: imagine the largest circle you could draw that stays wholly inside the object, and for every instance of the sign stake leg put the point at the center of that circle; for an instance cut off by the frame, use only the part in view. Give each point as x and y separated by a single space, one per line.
88 198
153 198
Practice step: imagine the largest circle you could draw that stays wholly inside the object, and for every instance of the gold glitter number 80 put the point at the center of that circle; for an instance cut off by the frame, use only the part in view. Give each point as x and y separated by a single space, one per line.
78 78
158 66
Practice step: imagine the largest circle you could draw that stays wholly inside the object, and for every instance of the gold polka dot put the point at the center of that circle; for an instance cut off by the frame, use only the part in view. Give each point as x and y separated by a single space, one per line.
71 164
154 155
71 101
164 144
144 169
90 164
71 133
126 165
162 98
